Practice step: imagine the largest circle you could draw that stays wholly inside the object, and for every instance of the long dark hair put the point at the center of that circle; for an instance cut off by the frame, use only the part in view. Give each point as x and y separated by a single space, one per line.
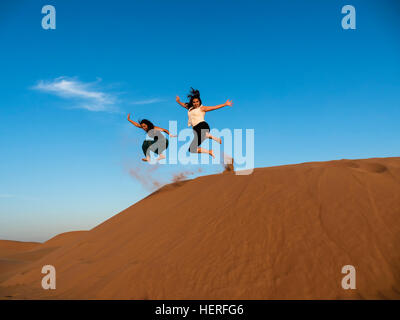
194 94
150 125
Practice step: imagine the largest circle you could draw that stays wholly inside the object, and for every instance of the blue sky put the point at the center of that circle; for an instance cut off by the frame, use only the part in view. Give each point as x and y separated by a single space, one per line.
310 90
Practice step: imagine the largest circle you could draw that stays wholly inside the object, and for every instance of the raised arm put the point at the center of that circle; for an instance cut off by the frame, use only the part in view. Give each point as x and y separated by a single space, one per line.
163 130
180 102
227 103
133 122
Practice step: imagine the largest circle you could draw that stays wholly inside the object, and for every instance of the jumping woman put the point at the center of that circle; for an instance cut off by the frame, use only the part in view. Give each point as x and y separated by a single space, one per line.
196 113
159 142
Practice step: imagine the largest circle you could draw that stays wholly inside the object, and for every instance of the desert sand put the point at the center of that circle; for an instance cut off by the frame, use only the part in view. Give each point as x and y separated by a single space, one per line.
280 233
16 254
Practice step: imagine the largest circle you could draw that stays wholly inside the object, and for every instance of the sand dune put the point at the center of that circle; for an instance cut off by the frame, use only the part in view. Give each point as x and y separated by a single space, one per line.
63 238
14 255
8 247
281 233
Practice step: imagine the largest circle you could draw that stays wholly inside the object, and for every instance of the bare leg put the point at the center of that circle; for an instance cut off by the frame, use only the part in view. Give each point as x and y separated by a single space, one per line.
209 136
202 150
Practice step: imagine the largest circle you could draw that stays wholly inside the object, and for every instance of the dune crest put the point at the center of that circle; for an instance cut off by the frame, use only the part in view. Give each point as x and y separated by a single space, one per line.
280 233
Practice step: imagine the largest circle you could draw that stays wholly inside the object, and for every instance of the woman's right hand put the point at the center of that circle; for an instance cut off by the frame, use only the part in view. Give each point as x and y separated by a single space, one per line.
229 103
178 99
129 116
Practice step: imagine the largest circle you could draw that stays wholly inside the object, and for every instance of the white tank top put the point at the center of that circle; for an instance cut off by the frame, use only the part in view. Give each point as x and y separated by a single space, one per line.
195 116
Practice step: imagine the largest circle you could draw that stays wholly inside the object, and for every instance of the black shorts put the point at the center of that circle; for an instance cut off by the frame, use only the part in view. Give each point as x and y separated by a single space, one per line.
200 131
158 145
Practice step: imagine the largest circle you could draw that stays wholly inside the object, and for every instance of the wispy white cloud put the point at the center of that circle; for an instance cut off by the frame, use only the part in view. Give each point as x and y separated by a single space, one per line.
148 101
88 95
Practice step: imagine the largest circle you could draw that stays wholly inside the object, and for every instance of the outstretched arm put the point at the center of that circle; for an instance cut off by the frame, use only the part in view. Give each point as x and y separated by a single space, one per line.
133 122
180 102
163 130
227 103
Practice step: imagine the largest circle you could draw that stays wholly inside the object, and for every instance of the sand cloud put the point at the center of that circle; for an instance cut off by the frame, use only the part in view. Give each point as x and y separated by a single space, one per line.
146 176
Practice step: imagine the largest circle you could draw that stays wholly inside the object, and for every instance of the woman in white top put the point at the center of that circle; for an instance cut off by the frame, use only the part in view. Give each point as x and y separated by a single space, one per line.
196 113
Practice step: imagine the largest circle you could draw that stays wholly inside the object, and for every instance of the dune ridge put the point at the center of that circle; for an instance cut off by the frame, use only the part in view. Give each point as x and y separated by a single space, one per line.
280 233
